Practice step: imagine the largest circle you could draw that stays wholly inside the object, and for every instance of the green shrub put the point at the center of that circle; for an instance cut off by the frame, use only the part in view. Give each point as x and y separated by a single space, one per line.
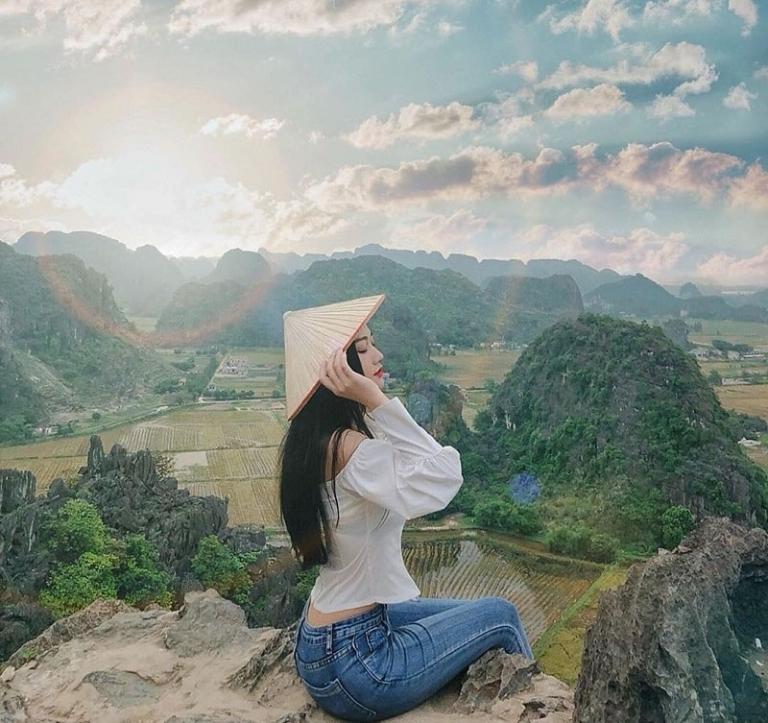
77 528
505 515
73 586
580 541
676 523
140 578
217 566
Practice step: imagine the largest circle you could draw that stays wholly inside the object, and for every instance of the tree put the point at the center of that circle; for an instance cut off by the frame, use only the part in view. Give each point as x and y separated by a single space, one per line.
77 528
140 579
715 378
73 586
676 523
217 566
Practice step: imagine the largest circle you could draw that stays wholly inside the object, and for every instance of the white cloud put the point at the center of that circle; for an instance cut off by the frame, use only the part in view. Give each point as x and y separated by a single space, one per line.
739 98
446 29
415 122
641 250
751 189
145 197
683 60
297 17
761 73
726 269
297 220
527 70
17 193
238 123
678 12
670 106
610 16
98 28
439 232
315 137
12 228
643 172
505 117
747 11
658 170
579 103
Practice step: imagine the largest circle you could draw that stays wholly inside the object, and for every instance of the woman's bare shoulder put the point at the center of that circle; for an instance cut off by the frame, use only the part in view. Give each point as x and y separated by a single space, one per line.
350 441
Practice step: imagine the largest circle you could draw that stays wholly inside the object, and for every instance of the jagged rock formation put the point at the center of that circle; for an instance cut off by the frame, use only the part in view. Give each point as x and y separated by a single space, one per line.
202 664
130 496
677 642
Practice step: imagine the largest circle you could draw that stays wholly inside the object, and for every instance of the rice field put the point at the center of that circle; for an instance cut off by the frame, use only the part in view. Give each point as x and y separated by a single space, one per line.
734 368
747 398
470 368
226 449
736 332
477 564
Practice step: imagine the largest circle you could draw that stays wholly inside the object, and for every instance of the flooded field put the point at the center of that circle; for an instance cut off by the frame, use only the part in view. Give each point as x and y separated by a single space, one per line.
472 564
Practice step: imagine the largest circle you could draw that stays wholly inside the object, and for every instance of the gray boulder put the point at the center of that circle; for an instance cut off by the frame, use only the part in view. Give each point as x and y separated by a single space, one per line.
677 642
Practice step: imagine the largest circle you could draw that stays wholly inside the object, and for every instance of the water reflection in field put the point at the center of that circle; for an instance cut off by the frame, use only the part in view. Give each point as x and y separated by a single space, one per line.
473 564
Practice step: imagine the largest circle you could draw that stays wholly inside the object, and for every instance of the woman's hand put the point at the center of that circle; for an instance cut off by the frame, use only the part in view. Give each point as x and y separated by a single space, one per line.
343 381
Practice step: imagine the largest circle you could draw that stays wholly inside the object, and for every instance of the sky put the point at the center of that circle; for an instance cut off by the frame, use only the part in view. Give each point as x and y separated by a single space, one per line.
628 134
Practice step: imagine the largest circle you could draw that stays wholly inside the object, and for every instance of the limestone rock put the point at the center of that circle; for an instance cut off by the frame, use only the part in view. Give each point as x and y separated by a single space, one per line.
120 669
207 622
495 675
16 488
676 642
510 687
66 629
123 688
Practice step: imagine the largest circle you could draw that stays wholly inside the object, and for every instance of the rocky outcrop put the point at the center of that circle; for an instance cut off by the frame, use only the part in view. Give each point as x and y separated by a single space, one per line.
202 664
133 497
16 488
682 639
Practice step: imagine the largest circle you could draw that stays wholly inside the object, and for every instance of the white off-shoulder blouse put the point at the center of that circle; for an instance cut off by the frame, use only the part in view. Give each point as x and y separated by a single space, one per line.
400 474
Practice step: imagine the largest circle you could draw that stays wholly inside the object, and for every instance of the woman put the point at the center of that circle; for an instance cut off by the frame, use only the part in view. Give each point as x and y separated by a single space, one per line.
354 466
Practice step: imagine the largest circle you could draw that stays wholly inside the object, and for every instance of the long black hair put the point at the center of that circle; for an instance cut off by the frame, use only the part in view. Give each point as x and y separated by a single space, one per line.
302 459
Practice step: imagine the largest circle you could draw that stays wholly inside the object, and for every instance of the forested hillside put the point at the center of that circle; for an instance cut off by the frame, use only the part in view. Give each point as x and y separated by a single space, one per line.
143 279
618 424
448 307
60 341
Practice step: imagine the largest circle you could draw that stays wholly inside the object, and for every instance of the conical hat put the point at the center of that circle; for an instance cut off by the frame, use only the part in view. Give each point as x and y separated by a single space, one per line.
311 335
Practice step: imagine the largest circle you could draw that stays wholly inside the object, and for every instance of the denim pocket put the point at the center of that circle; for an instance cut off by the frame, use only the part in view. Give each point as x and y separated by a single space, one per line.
370 651
333 698
314 658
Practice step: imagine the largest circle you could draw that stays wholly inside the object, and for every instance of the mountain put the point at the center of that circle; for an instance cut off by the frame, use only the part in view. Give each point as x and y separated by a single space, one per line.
635 295
143 280
717 308
618 423
64 343
524 306
760 298
194 268
242 267
585 276
441 306
477 271
689 291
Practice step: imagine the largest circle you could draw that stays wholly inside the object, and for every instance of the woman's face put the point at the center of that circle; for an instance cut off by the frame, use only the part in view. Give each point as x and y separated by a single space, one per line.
370 356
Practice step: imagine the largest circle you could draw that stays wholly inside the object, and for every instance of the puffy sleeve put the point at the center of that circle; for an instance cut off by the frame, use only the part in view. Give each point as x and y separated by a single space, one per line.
406 470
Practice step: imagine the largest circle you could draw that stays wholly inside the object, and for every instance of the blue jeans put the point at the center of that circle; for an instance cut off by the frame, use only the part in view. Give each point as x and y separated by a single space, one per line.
392 658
